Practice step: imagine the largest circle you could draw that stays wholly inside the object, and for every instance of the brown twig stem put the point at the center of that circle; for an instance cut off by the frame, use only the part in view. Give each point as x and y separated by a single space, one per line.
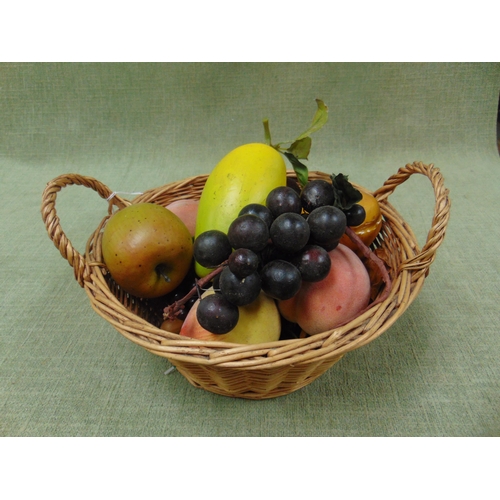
171 311
369 254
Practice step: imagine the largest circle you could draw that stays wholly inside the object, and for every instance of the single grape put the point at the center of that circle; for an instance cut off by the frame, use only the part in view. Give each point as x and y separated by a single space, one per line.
281 280
316 193
211 248
313 262
239 291
283 199
289 232
248 231
243 262
216 314
355 215
327 224
260 211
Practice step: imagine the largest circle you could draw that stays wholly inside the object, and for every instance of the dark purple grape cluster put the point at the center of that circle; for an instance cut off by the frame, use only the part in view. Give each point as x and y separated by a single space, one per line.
272 247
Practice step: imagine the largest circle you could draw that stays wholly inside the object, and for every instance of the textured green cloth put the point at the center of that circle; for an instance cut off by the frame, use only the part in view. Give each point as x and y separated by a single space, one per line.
64 371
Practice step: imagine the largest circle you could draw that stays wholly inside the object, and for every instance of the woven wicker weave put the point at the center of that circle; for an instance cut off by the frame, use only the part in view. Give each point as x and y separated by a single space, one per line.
263 370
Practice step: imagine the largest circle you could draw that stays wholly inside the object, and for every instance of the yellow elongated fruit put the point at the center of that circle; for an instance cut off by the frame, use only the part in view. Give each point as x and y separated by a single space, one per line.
245 175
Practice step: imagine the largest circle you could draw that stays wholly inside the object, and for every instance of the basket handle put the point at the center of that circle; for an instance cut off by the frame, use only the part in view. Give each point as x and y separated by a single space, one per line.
422 261
52 222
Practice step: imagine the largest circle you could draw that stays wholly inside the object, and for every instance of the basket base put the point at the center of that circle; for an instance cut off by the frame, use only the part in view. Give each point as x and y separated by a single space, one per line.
253 384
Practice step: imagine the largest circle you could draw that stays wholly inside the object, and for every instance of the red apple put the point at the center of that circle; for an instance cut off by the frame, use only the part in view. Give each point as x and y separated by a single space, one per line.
338 298
147 249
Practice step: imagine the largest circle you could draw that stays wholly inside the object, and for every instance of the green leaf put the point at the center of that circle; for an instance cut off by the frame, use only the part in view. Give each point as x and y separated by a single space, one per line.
267 132
300 169
345 195
320 118
300 149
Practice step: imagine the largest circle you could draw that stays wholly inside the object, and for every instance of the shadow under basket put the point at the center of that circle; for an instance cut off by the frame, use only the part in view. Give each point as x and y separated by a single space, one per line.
257 371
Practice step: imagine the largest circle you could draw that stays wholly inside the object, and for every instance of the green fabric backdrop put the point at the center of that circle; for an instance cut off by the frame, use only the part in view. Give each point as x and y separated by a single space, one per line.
64 371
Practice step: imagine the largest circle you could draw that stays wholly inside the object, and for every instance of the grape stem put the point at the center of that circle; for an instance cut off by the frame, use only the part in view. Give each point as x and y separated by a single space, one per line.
370 255
171 311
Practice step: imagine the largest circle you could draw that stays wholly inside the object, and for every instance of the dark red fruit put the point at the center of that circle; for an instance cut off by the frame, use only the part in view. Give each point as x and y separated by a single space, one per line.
327 224
355 215
289 232
216 314
211 248
243 262
260 211
239 291
281 280
283 199
248 231
316 193
313 262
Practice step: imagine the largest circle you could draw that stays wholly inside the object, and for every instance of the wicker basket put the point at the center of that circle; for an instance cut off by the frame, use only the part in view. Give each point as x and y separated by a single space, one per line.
264 370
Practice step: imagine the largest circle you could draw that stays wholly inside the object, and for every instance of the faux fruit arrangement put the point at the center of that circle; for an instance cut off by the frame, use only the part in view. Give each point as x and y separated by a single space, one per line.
262 255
